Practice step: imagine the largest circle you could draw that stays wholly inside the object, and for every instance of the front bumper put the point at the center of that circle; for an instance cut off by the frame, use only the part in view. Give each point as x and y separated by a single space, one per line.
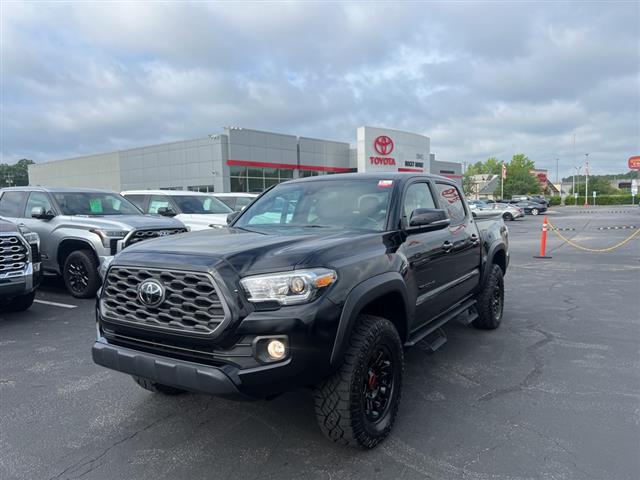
229 365
167 371
21 283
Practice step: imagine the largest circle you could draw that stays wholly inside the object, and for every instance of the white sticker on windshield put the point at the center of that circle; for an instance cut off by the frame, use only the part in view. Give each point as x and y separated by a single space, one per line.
385 183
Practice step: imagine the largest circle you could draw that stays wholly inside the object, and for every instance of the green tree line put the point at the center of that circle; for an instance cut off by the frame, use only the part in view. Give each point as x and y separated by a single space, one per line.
519 180
16 174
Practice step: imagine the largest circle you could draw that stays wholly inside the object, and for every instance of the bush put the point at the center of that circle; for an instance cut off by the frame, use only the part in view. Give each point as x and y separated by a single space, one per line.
555 200
602 200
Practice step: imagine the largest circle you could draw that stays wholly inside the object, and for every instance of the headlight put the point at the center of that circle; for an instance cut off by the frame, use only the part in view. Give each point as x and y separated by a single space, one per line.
288 288
107 235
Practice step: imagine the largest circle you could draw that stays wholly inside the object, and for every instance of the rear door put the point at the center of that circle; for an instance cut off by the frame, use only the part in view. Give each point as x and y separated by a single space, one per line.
465 253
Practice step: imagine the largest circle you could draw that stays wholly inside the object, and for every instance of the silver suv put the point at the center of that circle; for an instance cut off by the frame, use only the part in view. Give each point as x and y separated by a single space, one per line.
80 229
20 271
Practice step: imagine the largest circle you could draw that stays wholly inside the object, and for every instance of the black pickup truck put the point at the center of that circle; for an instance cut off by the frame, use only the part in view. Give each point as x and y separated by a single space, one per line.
318 283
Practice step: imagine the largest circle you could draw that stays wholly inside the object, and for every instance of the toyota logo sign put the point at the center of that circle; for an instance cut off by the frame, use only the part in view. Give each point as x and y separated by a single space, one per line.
151 293
383 145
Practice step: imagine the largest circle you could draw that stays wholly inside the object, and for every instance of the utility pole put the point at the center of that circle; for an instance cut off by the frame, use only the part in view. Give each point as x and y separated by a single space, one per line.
575 198
586 180
557 166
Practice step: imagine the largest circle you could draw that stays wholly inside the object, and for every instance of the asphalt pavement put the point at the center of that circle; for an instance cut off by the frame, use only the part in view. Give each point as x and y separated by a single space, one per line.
553 394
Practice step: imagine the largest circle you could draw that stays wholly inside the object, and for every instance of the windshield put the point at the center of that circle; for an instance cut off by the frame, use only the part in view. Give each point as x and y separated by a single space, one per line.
94 203
200 204
361 204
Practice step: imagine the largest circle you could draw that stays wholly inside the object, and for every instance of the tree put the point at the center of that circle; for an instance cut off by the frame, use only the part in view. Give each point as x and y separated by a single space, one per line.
491 166
16 174
519 179
468 185
599 184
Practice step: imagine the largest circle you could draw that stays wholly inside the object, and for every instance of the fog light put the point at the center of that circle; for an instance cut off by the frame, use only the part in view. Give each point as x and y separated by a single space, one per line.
276 349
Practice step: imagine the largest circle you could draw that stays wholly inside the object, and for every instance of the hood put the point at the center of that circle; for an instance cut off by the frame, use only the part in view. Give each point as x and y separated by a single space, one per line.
246 252
199 221
6 226
126 222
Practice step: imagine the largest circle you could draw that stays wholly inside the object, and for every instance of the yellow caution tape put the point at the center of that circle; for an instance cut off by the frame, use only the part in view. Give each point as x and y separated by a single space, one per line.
597 250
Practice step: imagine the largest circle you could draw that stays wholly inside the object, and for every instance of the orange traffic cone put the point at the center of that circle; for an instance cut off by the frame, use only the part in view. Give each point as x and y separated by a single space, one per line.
543 240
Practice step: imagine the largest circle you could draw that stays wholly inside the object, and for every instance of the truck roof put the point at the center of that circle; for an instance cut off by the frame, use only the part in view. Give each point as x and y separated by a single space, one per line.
56 189
372 176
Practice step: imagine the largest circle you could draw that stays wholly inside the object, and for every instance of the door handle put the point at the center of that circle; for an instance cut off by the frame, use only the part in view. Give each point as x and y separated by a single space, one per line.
475 240
447 246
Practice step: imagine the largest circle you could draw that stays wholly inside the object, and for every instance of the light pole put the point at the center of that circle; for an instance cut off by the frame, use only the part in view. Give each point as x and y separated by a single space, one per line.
586 180
575 198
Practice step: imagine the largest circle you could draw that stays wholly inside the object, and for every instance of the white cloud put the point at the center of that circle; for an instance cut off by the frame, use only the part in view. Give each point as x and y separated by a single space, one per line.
479 79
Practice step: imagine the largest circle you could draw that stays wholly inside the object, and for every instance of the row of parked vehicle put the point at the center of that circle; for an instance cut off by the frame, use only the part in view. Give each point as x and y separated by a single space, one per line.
72 232
517 207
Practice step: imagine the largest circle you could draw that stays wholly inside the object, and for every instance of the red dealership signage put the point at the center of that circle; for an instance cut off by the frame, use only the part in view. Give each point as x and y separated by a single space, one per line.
634 163
382 161
383 145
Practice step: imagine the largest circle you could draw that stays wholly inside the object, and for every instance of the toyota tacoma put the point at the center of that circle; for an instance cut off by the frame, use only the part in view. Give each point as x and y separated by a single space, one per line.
319 283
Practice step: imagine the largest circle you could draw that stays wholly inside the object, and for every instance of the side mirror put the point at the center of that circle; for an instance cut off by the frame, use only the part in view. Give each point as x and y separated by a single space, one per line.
166 212
231 217
475 215
41 214
429 219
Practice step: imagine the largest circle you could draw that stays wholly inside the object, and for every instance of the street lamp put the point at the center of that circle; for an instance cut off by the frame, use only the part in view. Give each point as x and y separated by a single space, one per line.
578 168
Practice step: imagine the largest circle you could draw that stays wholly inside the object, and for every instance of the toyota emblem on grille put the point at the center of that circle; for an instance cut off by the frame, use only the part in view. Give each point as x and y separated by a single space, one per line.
151 293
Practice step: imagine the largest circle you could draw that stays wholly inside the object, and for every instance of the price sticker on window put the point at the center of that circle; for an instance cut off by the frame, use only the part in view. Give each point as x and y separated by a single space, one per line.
96 205
385 183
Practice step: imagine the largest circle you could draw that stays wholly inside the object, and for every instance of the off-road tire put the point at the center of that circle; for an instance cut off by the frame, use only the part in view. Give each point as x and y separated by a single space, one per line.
86 260
157 387
489 312
508 217
21 303
340 400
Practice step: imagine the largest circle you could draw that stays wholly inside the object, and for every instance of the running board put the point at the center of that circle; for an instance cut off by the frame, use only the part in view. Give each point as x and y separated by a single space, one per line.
431 327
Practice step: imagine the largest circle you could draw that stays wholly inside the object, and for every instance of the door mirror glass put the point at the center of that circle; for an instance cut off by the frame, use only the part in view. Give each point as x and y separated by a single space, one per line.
433 218
166 212
231 217
40 213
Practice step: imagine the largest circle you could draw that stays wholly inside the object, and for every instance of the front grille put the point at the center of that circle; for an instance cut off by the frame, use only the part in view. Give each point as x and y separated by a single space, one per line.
140 235
13 254
191 305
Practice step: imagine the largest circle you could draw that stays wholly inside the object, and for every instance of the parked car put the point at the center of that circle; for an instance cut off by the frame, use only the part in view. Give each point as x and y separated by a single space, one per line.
20 267
80 228
507 211
539 199
320 281
196 210
531 208
236 201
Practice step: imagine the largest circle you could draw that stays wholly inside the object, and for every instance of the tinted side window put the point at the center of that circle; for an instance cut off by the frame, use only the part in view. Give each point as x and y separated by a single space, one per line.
451 201
38 199
137 200
10 204
418 196
158 201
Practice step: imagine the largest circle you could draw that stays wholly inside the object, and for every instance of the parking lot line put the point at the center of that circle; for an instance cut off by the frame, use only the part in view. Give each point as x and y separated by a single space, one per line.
55 304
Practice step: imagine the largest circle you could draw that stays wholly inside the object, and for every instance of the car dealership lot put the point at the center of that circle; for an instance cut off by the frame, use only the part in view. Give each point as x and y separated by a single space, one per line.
554 393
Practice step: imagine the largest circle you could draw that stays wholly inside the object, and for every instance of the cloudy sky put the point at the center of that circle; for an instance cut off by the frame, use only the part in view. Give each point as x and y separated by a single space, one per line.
478 79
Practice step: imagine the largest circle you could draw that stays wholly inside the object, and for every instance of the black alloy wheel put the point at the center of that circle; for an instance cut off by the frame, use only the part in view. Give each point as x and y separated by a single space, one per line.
80 274
378 388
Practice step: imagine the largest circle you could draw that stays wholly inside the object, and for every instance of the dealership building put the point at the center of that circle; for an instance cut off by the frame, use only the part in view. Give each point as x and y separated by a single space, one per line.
243 160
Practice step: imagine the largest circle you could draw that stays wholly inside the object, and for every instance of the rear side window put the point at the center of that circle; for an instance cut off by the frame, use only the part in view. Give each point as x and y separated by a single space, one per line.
451 201
10 204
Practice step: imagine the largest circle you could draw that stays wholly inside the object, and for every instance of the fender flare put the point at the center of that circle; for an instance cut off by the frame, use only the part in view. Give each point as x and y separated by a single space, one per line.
75 239
358 297
495 248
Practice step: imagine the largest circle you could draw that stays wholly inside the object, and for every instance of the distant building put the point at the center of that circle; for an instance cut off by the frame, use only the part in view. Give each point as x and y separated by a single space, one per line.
243 160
